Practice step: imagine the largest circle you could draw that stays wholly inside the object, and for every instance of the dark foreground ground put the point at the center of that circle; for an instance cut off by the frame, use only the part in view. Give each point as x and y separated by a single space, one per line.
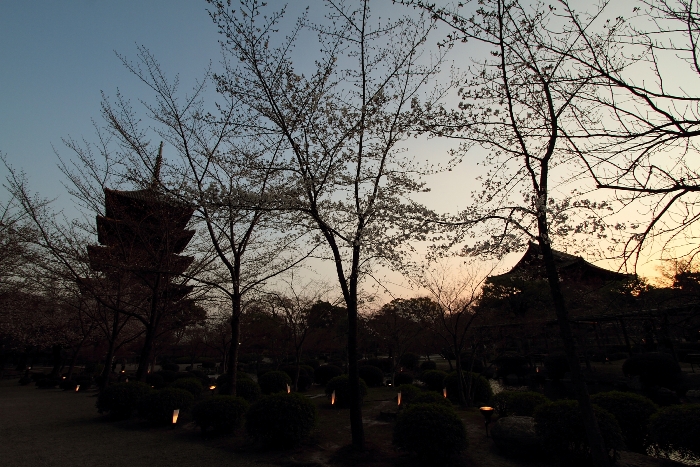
47 428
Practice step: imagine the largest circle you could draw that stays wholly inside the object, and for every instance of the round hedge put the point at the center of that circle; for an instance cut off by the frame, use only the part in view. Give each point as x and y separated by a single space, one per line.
274 381
158 406
653 369
373 376
281 420
632 412
409 392
521 403
155 380
402 378
306 376
428 365
409 360
341 386
434 379
121 399
480 387
325 373
434 432
248 389
561 427
191 385
676 429
222 413
430 397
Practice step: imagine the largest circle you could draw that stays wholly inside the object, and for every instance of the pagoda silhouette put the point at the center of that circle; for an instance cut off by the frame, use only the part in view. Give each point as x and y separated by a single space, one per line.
140 240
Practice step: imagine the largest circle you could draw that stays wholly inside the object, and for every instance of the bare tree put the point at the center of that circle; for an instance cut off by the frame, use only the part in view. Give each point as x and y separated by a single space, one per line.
340 125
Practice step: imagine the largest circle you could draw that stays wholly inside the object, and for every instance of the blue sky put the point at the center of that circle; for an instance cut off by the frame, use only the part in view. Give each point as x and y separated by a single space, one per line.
57 57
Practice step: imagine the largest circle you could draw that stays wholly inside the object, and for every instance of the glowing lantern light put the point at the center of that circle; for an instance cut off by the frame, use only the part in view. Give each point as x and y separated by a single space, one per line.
77 388
333 398
486 412
212 387
289 389
176 413
444 392
399 398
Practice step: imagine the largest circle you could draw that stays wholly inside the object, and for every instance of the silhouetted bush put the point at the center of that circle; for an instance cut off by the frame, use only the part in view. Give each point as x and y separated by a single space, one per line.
281 420
325 373
222 413
402 378
372 375
434 379
409 361
511 364
561 427
434 432
428 365
158 406
480 387
274 381
632 413
120 400
521 403
653 369
341 386
191 385
676 430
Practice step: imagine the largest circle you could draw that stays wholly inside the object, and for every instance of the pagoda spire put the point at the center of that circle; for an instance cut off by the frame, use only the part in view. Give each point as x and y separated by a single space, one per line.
155 181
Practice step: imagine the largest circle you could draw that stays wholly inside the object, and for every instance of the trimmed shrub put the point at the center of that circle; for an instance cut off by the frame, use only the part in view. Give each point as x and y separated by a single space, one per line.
521 403
325 373
372 375
191 385
201 376
121 399
428 365
429 397
248 389
477 366
402 378
222 413
341 386
556 365
434 432
653 369
632 412
409 360
480 387
156 380
434 379
384 364
157 407
167 375
676 429
170 366
511 364
560 425
281 420
274 381
408 392
305 376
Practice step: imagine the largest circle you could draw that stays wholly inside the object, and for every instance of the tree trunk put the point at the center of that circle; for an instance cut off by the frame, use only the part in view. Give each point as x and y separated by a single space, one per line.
358 433
57 359
595 440
108 365
232 369
145 356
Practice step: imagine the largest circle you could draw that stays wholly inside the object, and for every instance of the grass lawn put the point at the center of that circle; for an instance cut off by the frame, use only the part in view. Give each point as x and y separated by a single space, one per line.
45 428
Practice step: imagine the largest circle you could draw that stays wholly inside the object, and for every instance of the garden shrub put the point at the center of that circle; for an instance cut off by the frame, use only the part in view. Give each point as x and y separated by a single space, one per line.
201 376
281 420
477 366
274 381
85 382
434 432
157 407
561 427
170 366
341 386
480 387
222 413
402 378
384 364
409 392
521 403
429 397
373 376
325 373
632 412
155 380
248 389
313 363
191 385
556 365
121 399
434 379
167 375
511 364
305 376
676 429
409 360
653 369
68 384
428 365
47 383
